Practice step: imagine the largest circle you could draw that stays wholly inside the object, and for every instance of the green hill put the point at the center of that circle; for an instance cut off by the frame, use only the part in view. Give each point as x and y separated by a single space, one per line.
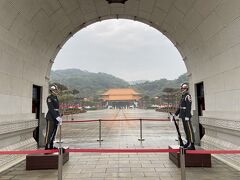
92 84
88 83
155 88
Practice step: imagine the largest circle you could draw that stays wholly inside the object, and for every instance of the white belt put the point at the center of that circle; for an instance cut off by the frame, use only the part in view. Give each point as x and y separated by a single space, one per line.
183 108
56 109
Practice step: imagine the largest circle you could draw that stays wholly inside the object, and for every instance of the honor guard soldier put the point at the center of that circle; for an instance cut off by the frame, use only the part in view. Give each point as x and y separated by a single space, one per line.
184 112
53 116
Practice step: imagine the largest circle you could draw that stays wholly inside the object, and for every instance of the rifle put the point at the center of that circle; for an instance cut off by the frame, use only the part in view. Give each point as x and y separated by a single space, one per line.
178 131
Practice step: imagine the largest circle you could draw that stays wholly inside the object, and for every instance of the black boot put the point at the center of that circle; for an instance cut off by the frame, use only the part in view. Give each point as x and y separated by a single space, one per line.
54 147
47 147
191 147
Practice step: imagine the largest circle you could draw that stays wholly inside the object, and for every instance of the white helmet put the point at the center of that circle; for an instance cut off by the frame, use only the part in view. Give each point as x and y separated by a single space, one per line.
54 89
184 86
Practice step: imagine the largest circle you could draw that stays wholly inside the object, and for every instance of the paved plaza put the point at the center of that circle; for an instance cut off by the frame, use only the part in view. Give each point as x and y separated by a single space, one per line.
123 134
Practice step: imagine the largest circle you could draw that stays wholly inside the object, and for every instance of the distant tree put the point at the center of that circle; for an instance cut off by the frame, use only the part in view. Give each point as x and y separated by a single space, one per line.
155 88
66 97
145 101
170 90
171 95
75 91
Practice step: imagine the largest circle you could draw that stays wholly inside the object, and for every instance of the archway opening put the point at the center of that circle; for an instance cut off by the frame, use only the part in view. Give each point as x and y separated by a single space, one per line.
126 49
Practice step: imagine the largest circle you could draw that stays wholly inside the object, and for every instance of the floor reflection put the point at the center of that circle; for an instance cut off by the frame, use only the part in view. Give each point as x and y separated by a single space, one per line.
122 133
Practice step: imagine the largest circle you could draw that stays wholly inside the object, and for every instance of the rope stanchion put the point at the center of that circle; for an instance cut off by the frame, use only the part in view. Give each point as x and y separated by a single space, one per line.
141 139
60 163
100 131
182 162
60 154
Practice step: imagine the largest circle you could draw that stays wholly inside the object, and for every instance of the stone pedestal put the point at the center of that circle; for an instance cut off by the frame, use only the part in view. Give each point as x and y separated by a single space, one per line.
44 161
191 160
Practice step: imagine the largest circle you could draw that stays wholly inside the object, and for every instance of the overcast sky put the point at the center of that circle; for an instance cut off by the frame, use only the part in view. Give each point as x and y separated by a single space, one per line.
126 49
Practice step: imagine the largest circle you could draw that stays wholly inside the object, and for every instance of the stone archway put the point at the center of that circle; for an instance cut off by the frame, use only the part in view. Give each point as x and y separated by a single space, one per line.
205 33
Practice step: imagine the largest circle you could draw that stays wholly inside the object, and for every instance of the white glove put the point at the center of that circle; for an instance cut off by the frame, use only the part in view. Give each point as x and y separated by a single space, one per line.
59 119
186 118
172 116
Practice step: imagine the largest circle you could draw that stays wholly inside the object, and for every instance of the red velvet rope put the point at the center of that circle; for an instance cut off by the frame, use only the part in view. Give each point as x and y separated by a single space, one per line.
75 121
122 151
213 151
29 151
95 120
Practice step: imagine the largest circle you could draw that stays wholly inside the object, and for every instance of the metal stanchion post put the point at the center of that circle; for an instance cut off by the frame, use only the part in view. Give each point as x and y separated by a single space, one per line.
100 130
60 155
60 163
141 139
182 163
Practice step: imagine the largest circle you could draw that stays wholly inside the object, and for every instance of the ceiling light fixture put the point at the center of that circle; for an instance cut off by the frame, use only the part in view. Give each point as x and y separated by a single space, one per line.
116 1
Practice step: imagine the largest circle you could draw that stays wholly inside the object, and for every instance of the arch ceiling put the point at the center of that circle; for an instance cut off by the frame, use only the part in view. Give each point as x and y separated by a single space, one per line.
43 26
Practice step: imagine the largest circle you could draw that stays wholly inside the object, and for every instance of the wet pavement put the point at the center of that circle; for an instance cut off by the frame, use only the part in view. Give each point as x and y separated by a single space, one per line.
123 134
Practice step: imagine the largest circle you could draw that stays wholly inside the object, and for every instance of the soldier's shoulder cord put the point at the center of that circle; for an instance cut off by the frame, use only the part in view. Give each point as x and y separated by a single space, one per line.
49 98
188 97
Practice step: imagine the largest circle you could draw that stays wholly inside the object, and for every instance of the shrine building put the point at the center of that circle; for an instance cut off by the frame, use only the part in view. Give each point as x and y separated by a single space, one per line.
121 98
